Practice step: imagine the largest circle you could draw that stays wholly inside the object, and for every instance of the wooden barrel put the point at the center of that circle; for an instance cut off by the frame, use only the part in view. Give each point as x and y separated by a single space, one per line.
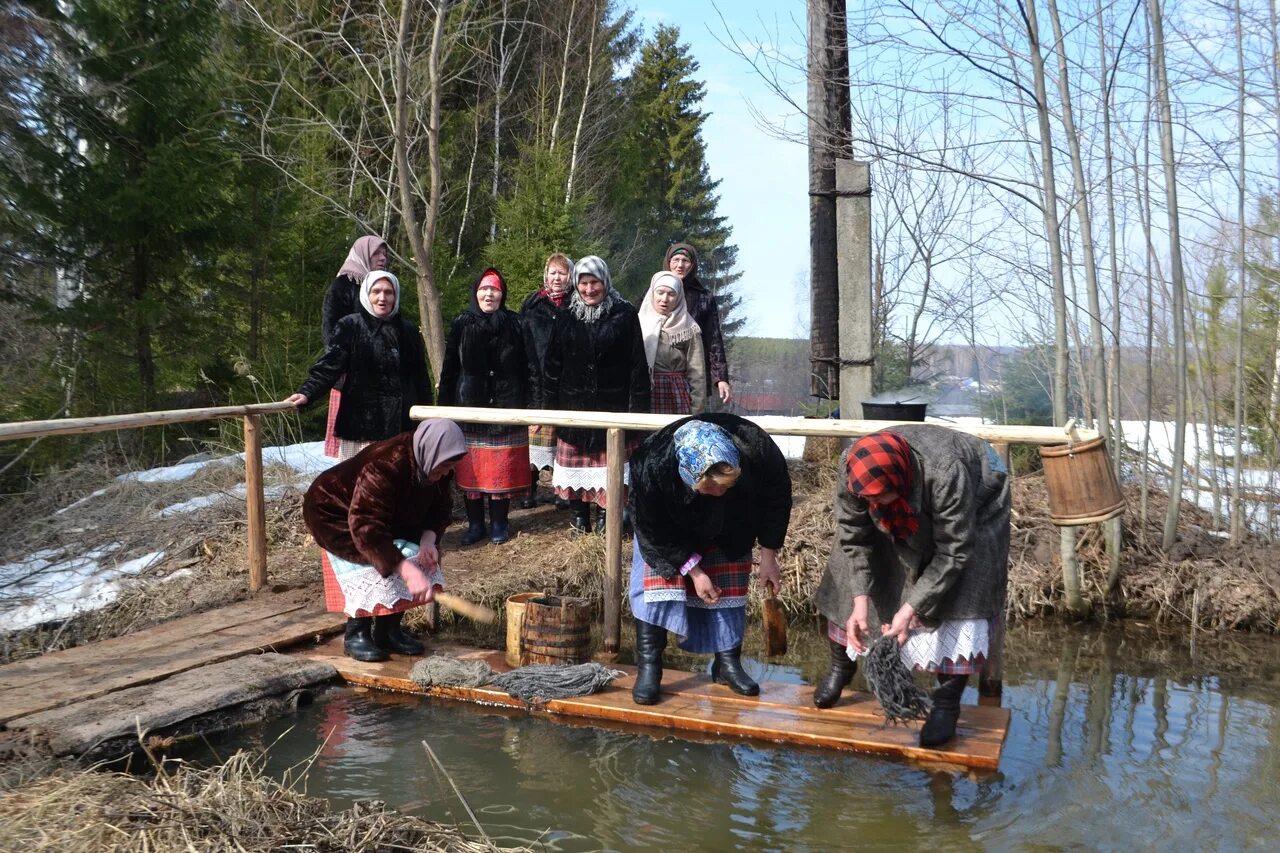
555 630
1081 482
515 616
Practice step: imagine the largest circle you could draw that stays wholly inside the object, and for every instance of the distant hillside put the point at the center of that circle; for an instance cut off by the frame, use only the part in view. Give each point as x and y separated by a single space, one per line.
770 375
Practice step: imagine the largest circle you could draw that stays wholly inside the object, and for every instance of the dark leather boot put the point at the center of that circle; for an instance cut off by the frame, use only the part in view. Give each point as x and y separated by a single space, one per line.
651 640
475 522
530 500
842 670
389 636
602 516
579 516
727 669
498 532
358 644
940 726
561 504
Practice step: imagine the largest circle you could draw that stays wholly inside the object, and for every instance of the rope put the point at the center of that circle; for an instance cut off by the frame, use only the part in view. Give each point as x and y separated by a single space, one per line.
446 671
544 682
892 683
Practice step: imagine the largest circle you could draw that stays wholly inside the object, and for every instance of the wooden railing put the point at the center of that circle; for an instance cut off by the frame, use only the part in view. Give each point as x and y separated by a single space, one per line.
255 509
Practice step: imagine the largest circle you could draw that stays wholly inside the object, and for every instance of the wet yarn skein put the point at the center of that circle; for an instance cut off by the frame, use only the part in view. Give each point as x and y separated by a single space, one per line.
892 684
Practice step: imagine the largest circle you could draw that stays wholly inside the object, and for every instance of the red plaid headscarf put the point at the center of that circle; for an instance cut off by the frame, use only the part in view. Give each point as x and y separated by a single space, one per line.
881 462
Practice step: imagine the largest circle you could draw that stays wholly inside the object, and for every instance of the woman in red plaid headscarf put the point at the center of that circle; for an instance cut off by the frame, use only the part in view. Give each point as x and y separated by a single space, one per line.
921 553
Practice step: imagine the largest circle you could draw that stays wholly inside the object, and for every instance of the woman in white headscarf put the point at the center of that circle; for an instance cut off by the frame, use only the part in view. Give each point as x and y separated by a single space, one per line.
595 362
385 365
673 348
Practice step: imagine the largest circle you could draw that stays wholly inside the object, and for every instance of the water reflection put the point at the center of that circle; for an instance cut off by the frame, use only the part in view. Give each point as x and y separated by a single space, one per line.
1120 738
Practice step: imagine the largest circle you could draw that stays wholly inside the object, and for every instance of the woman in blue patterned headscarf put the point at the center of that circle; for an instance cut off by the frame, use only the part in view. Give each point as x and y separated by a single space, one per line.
704 491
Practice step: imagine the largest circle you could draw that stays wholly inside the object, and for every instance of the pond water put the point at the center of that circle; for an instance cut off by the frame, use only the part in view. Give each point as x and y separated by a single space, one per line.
1121 738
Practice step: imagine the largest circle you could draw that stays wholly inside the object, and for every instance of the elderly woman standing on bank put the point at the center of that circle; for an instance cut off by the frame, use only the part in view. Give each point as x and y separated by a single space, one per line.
367 254
673 348
921 553
682 259
538 318
595 362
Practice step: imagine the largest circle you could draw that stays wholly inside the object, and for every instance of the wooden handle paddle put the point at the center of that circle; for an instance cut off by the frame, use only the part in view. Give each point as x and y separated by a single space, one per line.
469 609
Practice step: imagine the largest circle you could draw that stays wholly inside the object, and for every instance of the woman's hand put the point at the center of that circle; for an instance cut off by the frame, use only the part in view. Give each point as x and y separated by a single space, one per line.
428 554
903 621
419 584
703 587
856 626
770 574
298 400
726 393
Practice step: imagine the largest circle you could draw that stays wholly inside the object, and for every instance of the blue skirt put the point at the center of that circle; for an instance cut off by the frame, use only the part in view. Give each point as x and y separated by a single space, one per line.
702 630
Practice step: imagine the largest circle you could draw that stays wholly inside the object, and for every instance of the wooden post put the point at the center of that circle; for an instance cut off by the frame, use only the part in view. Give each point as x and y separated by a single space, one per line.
991 679
616 446
254 508
853 273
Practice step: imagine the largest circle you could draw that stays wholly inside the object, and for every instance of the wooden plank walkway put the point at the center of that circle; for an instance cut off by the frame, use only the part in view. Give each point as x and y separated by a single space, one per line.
783 713
267 622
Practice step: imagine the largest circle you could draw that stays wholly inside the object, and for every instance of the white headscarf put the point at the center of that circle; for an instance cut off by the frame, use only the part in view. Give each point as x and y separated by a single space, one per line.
678 325
366 287
592 265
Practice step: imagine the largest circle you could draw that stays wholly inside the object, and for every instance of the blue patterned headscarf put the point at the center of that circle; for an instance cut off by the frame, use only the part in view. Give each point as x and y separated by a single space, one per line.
699 445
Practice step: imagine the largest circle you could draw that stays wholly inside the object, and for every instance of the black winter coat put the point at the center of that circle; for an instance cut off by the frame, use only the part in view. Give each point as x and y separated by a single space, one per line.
538 318
386 369
596 366
672 521
484 363
342 299
705 311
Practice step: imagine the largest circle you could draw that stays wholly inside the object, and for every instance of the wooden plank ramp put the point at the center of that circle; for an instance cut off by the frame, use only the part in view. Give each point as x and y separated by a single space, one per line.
691 703
266 622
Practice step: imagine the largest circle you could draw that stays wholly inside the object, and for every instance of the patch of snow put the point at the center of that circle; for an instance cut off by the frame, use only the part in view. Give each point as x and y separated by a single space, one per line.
57 591
88 497
192 505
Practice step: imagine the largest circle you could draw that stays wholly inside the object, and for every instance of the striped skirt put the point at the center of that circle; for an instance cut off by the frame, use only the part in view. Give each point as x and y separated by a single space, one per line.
542 446
670 394
702 628
358 590
580 475
955 647
330 438
496 464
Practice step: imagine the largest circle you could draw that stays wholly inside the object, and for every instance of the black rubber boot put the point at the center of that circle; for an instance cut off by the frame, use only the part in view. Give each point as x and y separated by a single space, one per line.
561 504
498 532
651 640
579 516
475 522
358 644
842 670
727 669
602 517
389 636
940 727
530 500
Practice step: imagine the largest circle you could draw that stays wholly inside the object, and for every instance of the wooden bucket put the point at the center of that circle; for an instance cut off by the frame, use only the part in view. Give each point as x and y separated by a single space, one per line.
515 616
555 630
1081 482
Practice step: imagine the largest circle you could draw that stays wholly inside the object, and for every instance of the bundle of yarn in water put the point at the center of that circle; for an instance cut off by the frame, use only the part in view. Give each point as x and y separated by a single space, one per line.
543 682
892 684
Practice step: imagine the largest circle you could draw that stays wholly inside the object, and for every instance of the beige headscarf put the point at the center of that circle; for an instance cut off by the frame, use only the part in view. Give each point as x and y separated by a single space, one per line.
678 325
359 262
437 441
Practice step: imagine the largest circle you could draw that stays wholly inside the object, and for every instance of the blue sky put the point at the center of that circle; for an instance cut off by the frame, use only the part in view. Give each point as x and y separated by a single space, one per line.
764 180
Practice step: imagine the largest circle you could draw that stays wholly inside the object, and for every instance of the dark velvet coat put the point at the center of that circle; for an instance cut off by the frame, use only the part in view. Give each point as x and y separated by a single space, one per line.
342 299
358 508
386 369
672 521
596 366
538 319
954 566
484 360
705 311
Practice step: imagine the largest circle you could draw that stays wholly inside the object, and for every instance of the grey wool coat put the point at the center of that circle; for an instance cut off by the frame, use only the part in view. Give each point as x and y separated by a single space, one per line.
954 566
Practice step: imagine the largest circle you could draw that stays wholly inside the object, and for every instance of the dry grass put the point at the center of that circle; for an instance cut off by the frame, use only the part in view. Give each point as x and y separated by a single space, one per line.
235 806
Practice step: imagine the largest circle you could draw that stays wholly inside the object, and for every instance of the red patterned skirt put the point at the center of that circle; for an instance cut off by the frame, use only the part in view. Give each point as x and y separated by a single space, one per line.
330 438
670 393
496 464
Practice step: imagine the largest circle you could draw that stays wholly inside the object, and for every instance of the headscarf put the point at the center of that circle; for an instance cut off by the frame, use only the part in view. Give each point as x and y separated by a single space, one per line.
592 265
557 299
366 287
878 463
681 249
435 442
489 278
699 445
678 325
359 262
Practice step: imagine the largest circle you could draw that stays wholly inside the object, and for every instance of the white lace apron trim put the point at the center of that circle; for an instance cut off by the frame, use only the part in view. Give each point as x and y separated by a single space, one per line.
363 588
585 478
953 640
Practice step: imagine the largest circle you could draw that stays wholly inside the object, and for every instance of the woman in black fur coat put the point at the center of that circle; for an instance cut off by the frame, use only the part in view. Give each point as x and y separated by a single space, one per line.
485 365
538 317
385 365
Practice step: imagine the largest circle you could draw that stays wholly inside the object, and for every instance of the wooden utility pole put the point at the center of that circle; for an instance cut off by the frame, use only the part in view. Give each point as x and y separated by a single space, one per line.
830 132
853 244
